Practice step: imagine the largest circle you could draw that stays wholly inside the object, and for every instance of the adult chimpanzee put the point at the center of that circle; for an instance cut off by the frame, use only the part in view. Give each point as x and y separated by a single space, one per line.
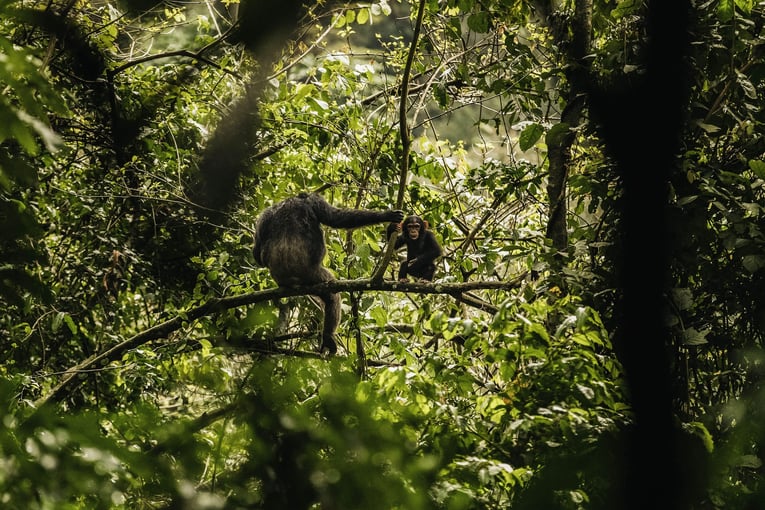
289 241
422 248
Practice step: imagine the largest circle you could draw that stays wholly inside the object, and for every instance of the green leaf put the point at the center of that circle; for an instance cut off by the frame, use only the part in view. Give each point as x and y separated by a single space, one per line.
745 6
725 10
317 104
588 392
708 128
626 8
581 339
536 330
749 461
753 263
758 167
465 5
479 22
70 324
23 135
700 430
530 135
682 298
303 90
749 89
686 200
363 16
439 92
692 336
58 319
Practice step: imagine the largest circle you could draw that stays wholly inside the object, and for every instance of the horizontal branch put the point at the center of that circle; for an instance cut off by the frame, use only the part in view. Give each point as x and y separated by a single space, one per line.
73 376
169 54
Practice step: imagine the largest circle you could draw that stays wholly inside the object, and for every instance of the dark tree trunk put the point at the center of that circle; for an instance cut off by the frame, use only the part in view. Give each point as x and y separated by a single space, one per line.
575 37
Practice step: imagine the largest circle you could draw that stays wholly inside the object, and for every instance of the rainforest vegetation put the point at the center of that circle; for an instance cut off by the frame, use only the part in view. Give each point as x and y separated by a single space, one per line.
594 171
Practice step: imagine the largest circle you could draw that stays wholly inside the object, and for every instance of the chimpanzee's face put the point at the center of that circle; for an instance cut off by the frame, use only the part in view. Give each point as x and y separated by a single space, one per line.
413 230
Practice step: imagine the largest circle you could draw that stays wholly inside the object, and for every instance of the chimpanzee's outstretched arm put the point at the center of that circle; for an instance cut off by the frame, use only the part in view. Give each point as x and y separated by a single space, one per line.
350 218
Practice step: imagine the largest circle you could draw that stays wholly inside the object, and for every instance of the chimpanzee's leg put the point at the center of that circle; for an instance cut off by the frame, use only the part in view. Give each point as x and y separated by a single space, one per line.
428 272
331 320
331 315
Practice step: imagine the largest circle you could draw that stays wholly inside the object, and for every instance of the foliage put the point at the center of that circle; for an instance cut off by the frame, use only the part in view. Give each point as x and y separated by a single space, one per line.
27 101
116 115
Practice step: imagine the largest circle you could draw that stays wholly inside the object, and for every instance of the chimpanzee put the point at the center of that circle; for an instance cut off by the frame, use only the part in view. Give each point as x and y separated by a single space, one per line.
289 241
422 248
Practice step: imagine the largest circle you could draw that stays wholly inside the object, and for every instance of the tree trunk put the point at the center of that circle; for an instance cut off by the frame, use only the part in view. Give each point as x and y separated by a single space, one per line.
577 43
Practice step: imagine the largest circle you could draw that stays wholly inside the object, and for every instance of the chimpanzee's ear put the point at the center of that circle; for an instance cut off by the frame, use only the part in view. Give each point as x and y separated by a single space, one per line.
425 224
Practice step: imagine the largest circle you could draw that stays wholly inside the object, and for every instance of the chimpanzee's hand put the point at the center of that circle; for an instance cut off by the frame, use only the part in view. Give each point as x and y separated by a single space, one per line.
396 216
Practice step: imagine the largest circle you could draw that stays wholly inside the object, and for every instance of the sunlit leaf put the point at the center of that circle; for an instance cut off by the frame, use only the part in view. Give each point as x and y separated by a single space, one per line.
725 10
363 16
758 167
691 336
529 136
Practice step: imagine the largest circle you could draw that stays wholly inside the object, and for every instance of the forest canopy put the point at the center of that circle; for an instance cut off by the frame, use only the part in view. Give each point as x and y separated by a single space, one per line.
592 339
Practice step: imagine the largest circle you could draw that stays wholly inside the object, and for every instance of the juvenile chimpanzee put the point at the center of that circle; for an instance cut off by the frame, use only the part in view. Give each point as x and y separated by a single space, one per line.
422 248
289 241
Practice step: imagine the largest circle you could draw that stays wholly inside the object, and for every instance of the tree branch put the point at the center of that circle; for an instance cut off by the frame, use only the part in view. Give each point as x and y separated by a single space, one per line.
178 53
73 376
405 141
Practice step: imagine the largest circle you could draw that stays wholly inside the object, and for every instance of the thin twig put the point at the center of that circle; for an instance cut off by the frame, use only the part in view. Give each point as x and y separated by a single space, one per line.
405 141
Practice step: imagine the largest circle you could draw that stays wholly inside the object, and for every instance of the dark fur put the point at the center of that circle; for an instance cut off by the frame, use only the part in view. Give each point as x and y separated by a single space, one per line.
289 241
421 253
